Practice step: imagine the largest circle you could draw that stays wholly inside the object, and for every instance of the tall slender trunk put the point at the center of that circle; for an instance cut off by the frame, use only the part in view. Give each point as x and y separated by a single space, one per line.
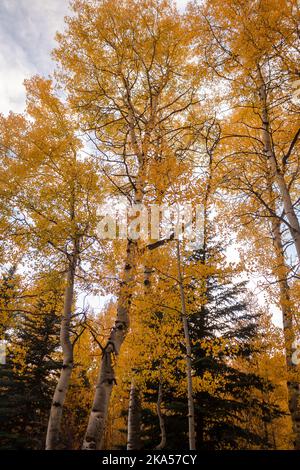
106 379
161 419
191 411
288 331
202 320
162 444
134 411
275 171
54 423
134 419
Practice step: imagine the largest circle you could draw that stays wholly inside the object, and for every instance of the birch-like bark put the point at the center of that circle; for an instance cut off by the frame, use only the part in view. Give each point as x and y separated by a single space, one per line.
275 171
54 423
134 409
106 379
191 411
162 444
161 419
288 331
134 419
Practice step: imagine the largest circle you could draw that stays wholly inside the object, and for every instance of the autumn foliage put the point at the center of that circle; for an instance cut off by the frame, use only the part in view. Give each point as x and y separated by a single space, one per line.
155 342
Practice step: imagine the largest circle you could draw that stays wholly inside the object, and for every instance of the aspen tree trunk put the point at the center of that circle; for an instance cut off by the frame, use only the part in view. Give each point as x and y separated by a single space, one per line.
191 411
163 436
95 429
288 330
106 379
134 411
134 419
54 423
275 171
161 445
206 204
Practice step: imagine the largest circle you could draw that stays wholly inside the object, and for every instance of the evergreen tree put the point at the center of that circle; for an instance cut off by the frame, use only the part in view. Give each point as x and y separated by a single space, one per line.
39 337
12 409
223 330
28 378
11 384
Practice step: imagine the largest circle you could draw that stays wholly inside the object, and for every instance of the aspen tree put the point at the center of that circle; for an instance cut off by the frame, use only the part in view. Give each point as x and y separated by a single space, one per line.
134 418
252 52
134 410
53 193
191 410
127 71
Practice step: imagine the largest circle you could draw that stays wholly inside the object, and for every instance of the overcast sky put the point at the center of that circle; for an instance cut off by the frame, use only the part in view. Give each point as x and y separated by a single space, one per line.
27 30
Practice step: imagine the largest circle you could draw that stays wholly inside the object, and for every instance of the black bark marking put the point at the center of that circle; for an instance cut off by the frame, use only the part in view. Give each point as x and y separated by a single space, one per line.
56 404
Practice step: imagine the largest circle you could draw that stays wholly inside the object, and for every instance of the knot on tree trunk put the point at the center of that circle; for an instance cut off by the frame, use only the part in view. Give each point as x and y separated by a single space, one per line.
120 325
110 348
108 374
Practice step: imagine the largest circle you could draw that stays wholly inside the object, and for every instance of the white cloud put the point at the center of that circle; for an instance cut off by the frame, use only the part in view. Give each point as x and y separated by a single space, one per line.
181 4
27 30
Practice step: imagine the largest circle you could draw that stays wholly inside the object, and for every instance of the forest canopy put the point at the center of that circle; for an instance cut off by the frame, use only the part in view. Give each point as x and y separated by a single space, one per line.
158 170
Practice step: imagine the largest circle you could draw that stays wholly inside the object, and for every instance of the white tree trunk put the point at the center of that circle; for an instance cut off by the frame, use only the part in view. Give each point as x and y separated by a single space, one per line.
163 436
288 330
134 410
54 423
134 419
275 172
106 379
191 411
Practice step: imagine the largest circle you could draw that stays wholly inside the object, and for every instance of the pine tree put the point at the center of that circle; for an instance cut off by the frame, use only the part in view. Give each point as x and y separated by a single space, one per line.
12 409
39 338
28 378
222 331
11 384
